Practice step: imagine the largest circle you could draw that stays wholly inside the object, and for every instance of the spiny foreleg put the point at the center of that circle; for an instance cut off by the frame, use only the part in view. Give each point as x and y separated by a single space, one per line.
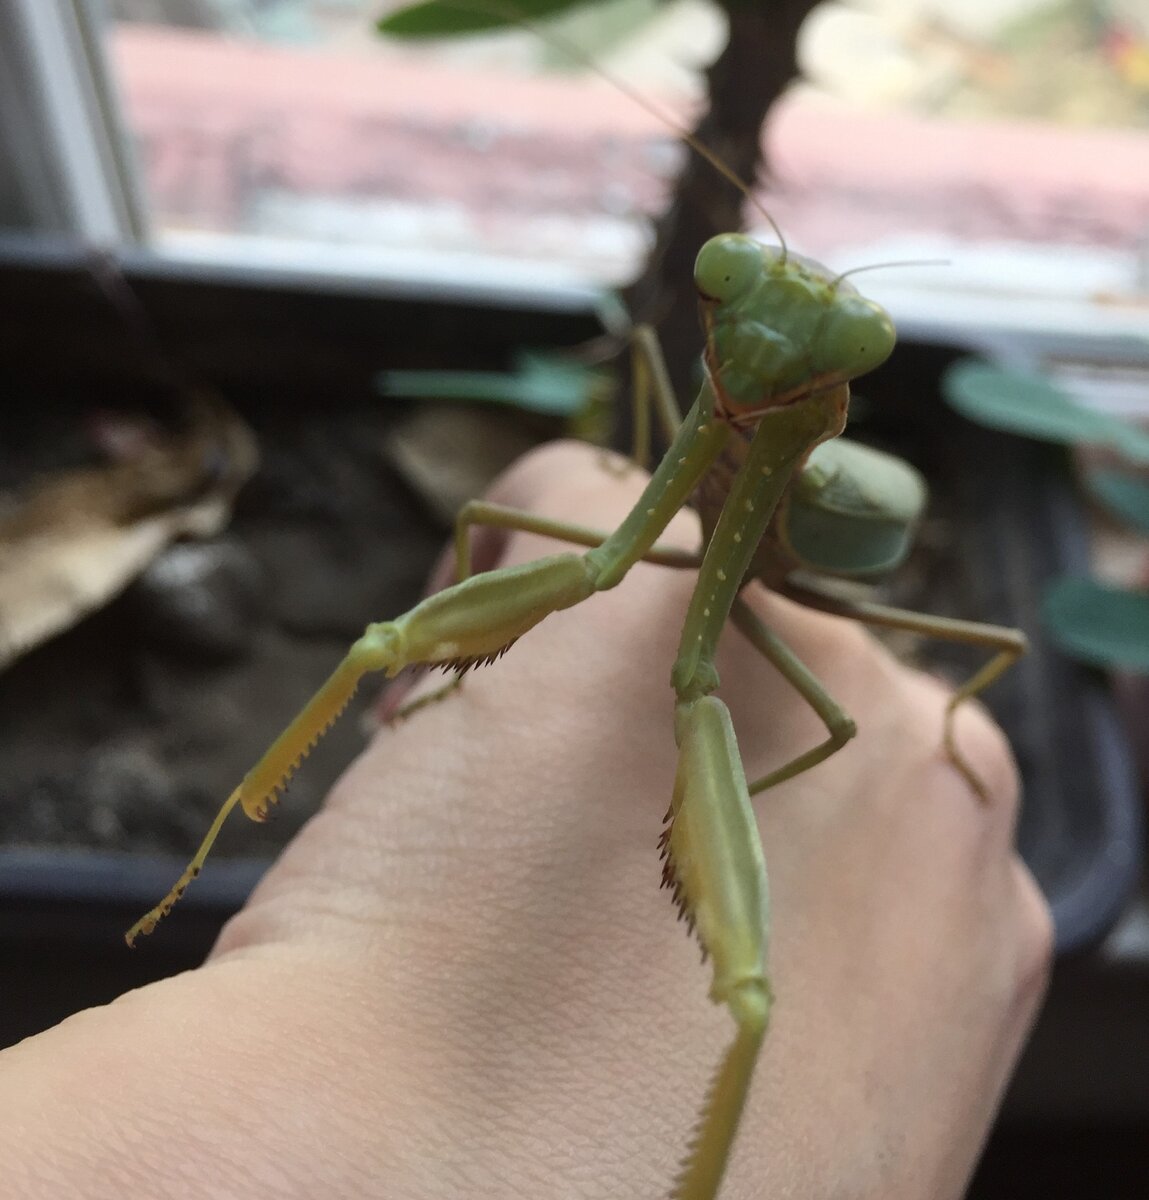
714 858
713 861
473 622
468 624
483 513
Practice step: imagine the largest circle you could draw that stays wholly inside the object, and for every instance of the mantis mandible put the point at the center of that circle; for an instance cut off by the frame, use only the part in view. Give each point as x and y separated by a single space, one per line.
777 493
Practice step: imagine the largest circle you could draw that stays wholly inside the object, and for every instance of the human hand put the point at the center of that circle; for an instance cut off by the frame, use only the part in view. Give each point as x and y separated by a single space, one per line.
461 979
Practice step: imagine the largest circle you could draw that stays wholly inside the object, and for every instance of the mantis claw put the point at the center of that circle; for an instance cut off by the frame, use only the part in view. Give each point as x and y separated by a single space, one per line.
955 755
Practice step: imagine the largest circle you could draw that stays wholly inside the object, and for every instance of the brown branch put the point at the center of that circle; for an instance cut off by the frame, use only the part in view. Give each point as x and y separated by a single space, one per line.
753 70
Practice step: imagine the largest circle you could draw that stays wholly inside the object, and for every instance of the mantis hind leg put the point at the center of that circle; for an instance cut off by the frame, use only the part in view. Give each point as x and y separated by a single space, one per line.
840 727
1007 644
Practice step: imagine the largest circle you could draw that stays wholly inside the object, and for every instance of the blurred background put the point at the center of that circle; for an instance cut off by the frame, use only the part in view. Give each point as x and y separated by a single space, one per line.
918 125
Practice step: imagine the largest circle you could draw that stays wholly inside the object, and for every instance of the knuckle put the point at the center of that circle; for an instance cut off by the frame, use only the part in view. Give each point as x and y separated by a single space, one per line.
850 640
1035 958
554 469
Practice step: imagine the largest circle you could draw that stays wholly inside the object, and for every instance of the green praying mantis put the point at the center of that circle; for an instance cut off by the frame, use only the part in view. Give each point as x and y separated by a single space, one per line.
782 499
778 493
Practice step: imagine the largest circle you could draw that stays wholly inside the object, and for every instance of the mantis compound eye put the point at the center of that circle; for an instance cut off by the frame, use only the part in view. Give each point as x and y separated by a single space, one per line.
728 266
856 336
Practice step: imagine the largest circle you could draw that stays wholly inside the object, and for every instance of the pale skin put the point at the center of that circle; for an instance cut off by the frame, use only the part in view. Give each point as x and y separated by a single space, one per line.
461 979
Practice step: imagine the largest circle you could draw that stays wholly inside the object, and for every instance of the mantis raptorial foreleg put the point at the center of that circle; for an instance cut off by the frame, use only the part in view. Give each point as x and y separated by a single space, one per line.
497 516
713 862
1009 645
713 854
473 621
650 383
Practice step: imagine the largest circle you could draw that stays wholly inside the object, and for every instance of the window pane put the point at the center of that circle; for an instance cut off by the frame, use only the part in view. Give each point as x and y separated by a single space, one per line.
924 130
294 122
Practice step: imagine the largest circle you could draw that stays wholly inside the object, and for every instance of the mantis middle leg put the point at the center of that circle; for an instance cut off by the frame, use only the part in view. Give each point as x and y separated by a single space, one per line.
499 516
840 728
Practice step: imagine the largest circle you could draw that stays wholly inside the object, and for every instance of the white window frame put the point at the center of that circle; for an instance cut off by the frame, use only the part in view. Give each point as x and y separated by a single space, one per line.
65 158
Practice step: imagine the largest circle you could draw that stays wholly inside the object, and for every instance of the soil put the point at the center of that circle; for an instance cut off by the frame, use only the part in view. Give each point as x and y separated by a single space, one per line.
127 731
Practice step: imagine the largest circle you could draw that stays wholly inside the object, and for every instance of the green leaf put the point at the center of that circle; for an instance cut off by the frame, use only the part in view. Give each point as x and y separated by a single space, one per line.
1034 407
450 18
540 383
1124 496
1104 626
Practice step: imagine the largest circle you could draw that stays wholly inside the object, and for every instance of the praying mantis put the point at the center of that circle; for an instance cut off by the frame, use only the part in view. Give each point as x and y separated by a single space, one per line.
782 499
778 492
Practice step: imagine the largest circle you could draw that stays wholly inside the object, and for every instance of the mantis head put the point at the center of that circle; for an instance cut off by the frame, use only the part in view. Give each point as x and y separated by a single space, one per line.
782 326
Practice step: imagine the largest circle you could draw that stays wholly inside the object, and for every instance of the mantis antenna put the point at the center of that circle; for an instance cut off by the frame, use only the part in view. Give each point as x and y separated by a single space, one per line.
576 54
897 262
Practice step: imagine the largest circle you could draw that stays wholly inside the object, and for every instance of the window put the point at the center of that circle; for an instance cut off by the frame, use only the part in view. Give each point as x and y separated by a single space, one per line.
285 132
62 147
297 132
